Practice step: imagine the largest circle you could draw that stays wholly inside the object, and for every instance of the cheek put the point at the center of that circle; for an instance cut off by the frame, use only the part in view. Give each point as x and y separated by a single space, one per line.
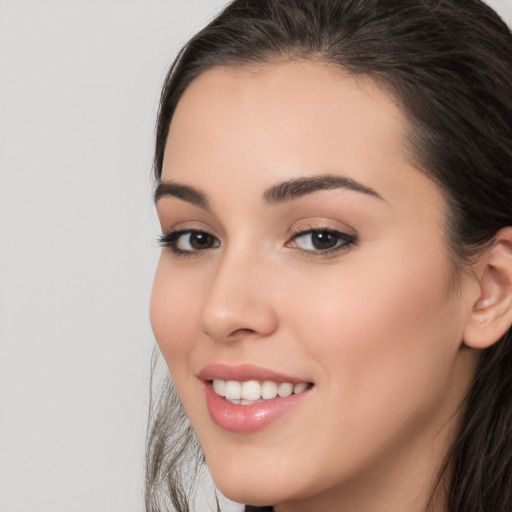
382 325
174 313
384 345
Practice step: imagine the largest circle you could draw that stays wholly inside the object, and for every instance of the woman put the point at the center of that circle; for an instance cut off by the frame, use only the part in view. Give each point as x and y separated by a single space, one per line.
334 294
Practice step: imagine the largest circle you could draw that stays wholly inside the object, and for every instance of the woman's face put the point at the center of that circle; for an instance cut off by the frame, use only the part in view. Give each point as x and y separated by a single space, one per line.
303 250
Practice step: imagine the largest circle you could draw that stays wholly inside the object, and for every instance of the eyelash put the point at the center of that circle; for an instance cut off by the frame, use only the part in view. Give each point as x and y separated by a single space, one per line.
170 240
344 241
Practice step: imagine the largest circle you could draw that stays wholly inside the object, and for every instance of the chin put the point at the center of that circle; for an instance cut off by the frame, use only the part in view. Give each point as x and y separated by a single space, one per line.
251 489
255 497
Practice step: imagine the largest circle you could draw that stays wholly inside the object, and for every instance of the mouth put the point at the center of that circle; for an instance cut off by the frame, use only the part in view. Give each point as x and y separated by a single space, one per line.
251 392
246 398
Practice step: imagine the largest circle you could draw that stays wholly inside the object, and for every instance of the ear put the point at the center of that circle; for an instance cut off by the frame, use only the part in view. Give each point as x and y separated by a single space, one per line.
492 312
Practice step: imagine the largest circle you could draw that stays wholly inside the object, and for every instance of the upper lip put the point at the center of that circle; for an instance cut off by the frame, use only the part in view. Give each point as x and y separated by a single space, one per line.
244 372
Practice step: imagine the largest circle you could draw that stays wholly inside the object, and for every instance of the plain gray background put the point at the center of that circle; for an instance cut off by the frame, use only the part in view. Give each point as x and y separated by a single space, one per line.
79 86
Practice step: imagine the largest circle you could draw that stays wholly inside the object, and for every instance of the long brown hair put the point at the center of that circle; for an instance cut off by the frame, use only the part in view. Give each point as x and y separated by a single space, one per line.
448 63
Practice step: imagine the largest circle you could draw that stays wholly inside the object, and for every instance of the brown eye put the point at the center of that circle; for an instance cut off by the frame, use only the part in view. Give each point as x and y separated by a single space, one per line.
181 242
196 241
322 241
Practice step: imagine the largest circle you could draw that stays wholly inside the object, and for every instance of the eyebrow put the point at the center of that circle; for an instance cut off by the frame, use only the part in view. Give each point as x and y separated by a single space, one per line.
298 187
184 192
280 193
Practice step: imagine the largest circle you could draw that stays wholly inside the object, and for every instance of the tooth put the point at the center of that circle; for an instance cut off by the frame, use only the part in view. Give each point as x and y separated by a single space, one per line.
233 390
299 388
285 389
248 392
251 390
268 390
219 386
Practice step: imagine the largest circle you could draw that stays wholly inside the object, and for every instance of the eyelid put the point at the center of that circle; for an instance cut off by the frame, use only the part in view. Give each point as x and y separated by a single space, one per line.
342 238
169 239
346 235
321 224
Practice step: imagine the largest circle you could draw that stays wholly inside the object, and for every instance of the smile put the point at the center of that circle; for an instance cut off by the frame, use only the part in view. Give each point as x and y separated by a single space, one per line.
252 391
247 398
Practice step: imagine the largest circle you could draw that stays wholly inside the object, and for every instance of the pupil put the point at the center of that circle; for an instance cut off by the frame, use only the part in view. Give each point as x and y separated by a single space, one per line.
324 240
201 240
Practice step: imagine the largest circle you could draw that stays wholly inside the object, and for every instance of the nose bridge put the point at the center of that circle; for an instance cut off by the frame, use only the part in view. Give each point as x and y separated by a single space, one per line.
239 299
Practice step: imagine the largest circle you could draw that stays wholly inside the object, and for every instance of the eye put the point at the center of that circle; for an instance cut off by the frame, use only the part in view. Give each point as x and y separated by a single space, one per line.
321 241
188 241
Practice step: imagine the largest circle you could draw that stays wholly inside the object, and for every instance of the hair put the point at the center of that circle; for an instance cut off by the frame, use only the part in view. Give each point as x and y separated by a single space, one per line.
448 65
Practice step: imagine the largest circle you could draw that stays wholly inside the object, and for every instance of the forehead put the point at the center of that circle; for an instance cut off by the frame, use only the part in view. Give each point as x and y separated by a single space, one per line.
283 104
289 100
277 121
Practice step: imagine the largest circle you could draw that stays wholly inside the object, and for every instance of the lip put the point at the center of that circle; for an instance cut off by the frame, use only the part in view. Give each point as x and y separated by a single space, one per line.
247 418
245 372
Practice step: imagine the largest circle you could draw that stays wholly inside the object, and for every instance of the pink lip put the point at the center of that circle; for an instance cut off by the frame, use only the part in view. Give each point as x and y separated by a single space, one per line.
243 373
247 418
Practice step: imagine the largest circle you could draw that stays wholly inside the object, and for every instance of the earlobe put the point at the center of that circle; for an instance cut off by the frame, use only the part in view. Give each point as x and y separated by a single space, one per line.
492 312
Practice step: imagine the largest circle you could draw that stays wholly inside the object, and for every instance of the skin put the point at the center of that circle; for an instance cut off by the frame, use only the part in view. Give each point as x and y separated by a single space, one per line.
376 326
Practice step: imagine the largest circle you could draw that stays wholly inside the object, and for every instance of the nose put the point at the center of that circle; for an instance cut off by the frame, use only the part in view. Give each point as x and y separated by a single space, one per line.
239 303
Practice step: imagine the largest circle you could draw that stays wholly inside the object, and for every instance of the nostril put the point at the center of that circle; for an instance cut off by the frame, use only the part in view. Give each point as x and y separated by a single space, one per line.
242 331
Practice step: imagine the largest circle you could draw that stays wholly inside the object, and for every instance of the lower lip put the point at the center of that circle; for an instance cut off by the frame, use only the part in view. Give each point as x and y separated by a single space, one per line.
248 418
